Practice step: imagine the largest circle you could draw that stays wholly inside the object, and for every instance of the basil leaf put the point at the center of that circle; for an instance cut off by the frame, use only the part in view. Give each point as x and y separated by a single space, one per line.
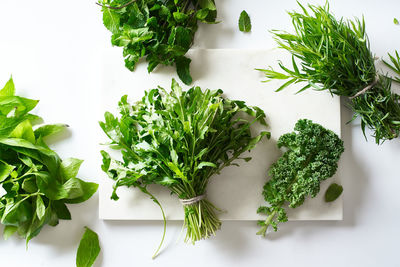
8 89
40 207
88 250
9 230
49 129
70 167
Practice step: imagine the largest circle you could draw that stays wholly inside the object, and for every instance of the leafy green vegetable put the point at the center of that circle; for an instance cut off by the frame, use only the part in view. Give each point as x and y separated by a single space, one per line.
244 22
88 250
333 192
335 55
160 30
311 157
179 139
36 181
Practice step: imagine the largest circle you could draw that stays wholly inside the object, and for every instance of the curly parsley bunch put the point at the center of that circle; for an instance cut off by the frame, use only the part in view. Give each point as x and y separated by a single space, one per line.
311 157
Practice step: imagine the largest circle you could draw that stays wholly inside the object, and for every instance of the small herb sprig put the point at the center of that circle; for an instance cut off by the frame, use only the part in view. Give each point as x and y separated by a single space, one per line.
162 31
335 55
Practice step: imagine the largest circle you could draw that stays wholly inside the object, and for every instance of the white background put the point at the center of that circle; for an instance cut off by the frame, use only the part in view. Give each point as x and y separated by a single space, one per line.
50 48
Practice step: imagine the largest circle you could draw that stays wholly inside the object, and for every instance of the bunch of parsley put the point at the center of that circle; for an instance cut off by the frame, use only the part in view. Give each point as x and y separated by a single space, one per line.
180 139
37 183
160 30
312 155
335 55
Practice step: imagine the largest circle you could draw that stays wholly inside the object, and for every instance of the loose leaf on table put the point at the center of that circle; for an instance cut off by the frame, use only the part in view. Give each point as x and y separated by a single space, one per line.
88 250
160 31
36 181
396 21
333 192
244 22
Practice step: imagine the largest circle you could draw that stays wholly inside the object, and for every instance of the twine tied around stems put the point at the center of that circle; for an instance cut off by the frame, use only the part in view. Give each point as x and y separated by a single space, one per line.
363 91
193 200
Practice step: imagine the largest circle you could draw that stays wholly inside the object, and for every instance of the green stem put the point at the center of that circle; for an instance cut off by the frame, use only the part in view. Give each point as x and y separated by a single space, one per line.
144 190
116 7
264 228
201 221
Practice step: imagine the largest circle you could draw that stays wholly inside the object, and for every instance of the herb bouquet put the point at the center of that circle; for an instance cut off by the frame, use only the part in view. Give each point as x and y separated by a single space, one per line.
335 55
179 139
160 30
37 183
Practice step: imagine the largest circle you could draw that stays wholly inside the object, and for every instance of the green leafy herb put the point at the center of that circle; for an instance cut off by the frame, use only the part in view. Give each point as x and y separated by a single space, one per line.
396 21
244 22
180 139
333 192
311 156
335 55
162 31
88 250
37 183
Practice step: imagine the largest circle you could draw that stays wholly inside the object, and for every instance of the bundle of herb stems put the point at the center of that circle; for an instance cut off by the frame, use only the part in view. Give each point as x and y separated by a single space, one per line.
335 55
179 140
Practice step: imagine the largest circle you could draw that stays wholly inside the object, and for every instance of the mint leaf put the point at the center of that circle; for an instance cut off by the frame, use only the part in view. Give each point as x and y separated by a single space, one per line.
183 69
88 250
333 192
244 22
111 20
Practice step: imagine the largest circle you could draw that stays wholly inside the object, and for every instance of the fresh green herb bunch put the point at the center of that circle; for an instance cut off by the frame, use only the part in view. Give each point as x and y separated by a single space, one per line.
179 139
160 30
311 157
335 55
37 183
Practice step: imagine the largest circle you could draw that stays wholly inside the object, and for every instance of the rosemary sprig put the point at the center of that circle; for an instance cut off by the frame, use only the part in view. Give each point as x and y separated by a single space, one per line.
335 55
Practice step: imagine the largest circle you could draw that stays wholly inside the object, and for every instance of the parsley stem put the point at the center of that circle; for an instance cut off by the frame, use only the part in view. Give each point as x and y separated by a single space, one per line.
264 228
